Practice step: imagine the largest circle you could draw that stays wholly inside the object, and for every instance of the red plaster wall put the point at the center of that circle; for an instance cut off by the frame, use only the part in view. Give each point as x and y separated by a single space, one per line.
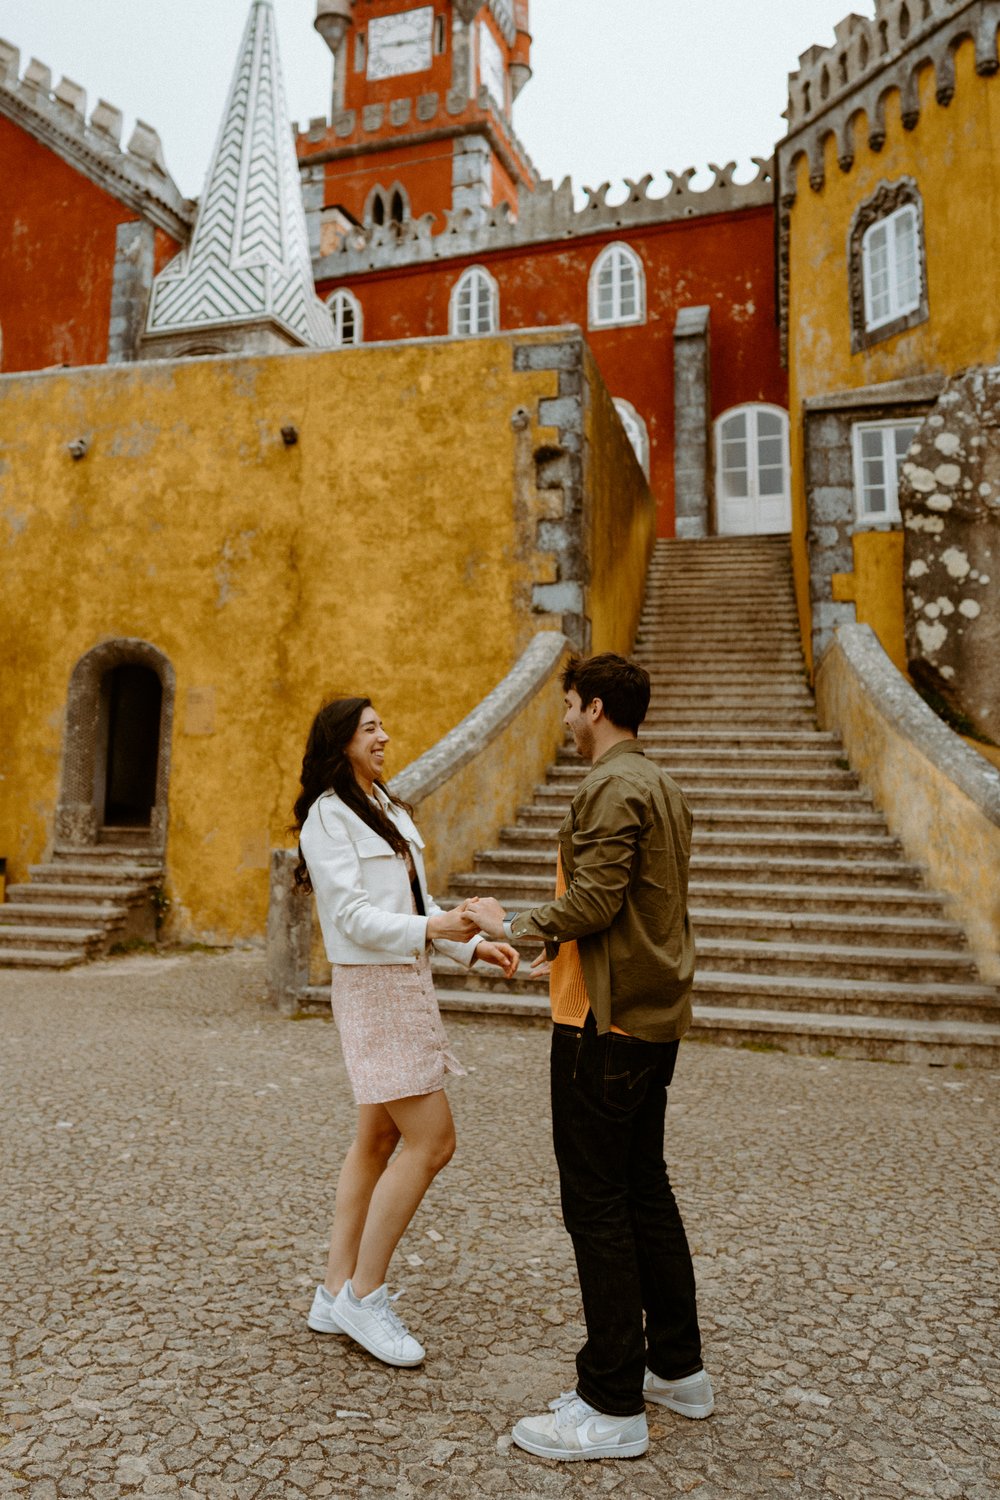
424 170
725 261
57 256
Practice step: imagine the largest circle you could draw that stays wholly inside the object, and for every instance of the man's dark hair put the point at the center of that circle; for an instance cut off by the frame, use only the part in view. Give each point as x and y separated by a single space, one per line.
622 686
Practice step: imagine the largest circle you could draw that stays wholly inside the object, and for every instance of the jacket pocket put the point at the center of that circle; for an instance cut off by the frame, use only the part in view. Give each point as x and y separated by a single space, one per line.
373 847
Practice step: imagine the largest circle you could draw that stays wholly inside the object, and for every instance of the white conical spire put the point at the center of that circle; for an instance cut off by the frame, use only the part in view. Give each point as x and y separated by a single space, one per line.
248 261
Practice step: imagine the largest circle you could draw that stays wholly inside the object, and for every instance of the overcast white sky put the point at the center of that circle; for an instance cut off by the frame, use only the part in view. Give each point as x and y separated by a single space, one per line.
621 87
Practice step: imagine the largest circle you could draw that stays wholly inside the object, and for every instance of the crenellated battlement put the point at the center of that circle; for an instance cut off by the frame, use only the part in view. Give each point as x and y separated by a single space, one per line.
57 116
548 213
871 59
351 126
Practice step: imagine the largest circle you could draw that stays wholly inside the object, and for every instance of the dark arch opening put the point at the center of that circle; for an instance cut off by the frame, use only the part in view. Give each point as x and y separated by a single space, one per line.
130 717
398 208
378 209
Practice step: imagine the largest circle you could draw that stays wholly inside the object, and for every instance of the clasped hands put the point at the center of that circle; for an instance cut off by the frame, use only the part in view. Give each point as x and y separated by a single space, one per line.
464 921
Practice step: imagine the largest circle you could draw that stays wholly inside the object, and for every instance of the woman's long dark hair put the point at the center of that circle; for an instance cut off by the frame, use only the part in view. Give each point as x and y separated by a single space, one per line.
326 768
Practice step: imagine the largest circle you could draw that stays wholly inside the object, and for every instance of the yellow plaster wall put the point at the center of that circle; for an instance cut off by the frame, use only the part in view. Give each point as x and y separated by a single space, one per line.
952 155
876 588
376 555
622 523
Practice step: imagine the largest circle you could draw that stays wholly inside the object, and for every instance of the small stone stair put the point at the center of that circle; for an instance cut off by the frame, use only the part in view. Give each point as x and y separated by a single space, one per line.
79 904
814 933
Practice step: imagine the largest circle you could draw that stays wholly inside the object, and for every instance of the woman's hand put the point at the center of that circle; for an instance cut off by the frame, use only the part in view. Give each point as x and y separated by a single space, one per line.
458 925
502 955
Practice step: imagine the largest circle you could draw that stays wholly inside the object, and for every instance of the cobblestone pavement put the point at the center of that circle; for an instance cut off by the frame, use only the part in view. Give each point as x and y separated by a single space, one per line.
169 1151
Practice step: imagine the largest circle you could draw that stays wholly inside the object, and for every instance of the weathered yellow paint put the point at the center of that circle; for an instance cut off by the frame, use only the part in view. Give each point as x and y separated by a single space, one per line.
380 554
952 156
876 588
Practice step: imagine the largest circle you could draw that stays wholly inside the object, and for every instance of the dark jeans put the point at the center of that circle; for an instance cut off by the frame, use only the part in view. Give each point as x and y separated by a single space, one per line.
609 1099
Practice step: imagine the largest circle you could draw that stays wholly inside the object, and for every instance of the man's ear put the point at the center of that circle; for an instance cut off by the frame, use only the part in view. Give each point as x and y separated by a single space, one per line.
596 707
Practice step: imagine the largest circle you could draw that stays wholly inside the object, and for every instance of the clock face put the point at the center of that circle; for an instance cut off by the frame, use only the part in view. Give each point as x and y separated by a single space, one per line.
401 43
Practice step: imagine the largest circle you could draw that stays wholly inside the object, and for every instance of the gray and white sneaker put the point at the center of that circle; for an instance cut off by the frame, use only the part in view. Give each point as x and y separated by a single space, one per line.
373 1323
322 1318
692 1396
573 1429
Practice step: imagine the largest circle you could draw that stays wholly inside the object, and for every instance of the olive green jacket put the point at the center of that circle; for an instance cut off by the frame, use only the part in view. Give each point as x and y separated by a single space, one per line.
625 845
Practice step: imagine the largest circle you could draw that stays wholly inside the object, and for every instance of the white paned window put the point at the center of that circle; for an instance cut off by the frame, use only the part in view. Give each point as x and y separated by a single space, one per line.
879 450
617 288
345 310
751 465
475 304
890 259
635 431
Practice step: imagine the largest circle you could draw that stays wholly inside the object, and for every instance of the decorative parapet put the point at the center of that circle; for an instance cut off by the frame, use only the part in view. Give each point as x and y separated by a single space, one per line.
869 60
136 176
548 213
940 798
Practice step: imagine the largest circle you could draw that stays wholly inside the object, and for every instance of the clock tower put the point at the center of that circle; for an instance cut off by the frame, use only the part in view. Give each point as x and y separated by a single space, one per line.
421 122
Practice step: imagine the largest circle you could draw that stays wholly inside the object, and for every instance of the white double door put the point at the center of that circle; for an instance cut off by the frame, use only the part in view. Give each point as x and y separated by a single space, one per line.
751 471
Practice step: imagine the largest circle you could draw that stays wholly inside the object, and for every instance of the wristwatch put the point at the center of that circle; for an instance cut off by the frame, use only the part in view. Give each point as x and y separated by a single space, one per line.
507 921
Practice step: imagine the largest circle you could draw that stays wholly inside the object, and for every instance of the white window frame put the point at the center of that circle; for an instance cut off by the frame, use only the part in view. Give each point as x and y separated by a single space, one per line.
337 302
899 306
617 254
635 430
754 499
480 278
865 516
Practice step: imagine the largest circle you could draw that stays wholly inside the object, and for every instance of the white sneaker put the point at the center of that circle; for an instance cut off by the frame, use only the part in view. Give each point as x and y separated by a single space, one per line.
573 1429
373 1323
321 1317
692 1396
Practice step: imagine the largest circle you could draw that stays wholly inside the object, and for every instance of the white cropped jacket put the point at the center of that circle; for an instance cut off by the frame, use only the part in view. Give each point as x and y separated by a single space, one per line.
362 889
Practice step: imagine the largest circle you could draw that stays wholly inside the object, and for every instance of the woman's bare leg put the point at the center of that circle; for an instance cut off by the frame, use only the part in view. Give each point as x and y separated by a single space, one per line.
428 1133
376 1139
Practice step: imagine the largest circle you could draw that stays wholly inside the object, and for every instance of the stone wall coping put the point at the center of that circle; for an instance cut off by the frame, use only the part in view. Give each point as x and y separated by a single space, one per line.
902 707
692 322
57 116
469 738
888 393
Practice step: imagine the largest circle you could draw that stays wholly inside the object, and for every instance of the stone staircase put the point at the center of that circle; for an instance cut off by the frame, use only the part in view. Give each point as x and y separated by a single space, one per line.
814 933
79 904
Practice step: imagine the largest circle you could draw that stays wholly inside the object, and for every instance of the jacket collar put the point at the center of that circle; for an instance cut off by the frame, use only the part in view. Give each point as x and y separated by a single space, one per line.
623 747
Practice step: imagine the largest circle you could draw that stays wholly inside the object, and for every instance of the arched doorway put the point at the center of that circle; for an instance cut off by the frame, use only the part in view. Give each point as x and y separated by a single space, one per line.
116 757
752 486
128 747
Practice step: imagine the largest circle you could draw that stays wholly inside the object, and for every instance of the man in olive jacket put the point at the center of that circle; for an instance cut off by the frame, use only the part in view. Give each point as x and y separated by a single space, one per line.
620 958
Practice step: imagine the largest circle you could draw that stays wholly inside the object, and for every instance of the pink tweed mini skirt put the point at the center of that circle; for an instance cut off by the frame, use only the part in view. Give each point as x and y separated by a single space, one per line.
390 1029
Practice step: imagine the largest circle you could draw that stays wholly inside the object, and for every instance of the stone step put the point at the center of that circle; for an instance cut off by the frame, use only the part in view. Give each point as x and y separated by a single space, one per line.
100 893
524 858
93 872
885 929
555 801
904 966
133 854
78 939
41 958
542 834
968 1001
747 757
516 888
55 914
691 776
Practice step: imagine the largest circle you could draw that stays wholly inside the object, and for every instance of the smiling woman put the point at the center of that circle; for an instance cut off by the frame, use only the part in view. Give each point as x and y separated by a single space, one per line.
361 854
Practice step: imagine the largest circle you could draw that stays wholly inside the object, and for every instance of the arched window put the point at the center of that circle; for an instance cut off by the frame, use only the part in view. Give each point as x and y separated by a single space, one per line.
887 264
751 471
635 431
890 260
617 288
387 206
475 304
345 310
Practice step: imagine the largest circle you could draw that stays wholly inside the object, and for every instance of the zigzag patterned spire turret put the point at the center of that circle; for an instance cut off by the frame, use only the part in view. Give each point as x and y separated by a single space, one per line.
249 255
